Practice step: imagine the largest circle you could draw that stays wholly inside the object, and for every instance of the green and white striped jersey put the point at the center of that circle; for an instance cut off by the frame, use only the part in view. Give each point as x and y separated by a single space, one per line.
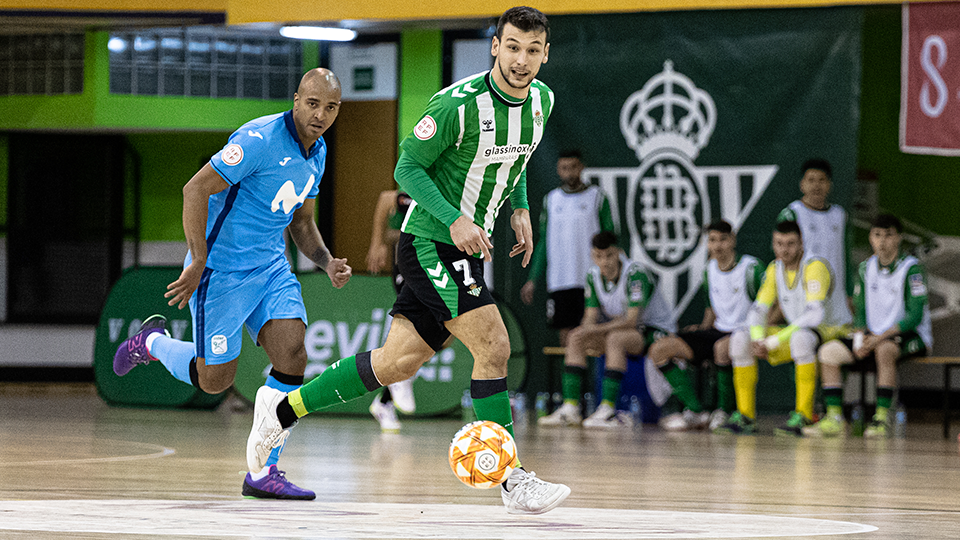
474 142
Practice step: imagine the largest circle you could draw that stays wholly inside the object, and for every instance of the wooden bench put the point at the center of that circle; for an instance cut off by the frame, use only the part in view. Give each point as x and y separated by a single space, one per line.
949 363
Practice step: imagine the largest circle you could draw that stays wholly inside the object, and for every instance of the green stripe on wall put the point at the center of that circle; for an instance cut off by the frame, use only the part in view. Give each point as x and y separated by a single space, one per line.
421 66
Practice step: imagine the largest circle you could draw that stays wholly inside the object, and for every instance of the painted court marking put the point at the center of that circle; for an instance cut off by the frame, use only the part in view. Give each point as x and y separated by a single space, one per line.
306 519
156 451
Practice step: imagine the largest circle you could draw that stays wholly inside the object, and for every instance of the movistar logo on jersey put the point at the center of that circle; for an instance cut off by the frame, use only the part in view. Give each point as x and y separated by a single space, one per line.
667 123
508 152
287 197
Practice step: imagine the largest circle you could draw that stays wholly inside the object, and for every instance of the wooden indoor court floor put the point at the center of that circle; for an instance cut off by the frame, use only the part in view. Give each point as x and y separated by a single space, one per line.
73 467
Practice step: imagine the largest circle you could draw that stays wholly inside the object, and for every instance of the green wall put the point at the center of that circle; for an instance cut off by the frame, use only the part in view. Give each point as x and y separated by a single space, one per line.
167 162
421 67
914 187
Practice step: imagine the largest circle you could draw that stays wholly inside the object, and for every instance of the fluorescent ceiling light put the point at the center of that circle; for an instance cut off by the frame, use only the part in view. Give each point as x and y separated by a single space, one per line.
318 33
117 45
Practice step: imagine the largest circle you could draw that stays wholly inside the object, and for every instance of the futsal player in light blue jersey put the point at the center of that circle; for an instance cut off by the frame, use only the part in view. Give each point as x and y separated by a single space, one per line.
235 210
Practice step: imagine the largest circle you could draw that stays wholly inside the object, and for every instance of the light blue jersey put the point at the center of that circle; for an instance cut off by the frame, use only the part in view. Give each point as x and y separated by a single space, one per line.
269 178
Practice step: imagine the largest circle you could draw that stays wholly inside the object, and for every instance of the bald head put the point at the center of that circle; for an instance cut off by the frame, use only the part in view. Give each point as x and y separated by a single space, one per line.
316 104
318 80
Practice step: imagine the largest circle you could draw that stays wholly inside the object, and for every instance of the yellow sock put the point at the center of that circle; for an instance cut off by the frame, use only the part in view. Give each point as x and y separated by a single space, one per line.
296 401
806 376
745 385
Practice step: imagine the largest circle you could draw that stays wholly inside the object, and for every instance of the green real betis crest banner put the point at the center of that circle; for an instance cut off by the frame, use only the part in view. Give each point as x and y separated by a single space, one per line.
684 118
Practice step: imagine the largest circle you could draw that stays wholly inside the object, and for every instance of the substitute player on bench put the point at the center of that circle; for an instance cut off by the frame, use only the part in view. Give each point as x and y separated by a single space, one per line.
892 316
730 286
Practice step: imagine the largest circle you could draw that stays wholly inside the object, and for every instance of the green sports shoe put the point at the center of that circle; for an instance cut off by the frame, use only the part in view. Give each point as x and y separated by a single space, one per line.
877 429
832 425
738 424
794 426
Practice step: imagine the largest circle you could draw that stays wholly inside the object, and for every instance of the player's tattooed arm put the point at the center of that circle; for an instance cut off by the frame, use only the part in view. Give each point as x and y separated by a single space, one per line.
321 257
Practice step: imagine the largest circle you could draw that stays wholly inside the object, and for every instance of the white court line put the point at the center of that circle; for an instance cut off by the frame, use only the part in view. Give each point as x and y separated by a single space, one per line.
159 452
302 519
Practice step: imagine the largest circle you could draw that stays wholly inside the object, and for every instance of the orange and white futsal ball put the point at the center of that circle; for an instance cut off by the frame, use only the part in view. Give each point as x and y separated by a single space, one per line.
482 454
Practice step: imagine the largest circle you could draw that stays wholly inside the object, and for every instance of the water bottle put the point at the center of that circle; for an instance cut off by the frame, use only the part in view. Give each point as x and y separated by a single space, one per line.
557 400
900 422
519 405
541 404
590 403
856 420
635 411
466 407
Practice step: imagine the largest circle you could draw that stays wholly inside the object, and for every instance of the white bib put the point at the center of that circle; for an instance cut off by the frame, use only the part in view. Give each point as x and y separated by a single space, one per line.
728 292
572 221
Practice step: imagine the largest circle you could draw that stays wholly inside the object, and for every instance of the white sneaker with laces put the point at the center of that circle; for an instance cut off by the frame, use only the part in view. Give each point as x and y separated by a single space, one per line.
402 394
266 433
524 493
567 415
606 417
718 418
385 415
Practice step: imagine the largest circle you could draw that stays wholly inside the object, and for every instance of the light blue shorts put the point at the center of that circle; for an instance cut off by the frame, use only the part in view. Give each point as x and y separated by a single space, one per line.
226 301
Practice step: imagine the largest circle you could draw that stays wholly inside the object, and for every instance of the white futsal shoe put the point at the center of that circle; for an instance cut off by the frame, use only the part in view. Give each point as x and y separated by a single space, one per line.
567 414
267 433
685 421
524 493
385 415
402 395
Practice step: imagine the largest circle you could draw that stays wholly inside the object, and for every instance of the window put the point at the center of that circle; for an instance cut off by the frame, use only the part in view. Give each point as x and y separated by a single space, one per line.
204 62
41 64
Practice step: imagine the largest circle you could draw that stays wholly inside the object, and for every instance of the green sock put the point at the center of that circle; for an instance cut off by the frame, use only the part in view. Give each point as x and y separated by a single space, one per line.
611 387
833 399
884 401
495 408
682 387
338 383
572 382
726 397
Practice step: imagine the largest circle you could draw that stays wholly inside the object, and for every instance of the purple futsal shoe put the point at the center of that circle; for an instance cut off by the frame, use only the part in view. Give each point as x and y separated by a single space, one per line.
275 486
134 350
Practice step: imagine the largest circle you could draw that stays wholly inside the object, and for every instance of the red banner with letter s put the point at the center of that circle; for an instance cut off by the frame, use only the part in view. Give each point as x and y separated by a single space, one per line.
930 79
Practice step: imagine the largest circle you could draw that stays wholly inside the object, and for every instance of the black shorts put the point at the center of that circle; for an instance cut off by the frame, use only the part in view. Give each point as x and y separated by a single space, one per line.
910 343
565 308
702 342
440 282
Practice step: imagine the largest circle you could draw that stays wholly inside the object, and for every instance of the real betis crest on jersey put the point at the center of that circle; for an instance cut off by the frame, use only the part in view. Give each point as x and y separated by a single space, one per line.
475 142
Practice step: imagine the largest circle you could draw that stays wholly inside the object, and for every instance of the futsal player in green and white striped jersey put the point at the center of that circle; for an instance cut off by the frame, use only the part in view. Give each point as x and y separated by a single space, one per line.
466 156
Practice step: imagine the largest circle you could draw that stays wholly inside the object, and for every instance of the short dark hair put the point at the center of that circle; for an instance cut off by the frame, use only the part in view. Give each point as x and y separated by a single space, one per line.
526 19
571 153
787 227
720 226
887 221
817 163
604 240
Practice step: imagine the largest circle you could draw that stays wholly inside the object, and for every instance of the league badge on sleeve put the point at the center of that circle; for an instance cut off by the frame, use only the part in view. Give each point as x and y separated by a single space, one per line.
917 286
232 154
426 128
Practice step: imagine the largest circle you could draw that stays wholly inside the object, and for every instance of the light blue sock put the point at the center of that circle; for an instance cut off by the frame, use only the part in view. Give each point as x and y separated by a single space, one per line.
273 383
175 355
